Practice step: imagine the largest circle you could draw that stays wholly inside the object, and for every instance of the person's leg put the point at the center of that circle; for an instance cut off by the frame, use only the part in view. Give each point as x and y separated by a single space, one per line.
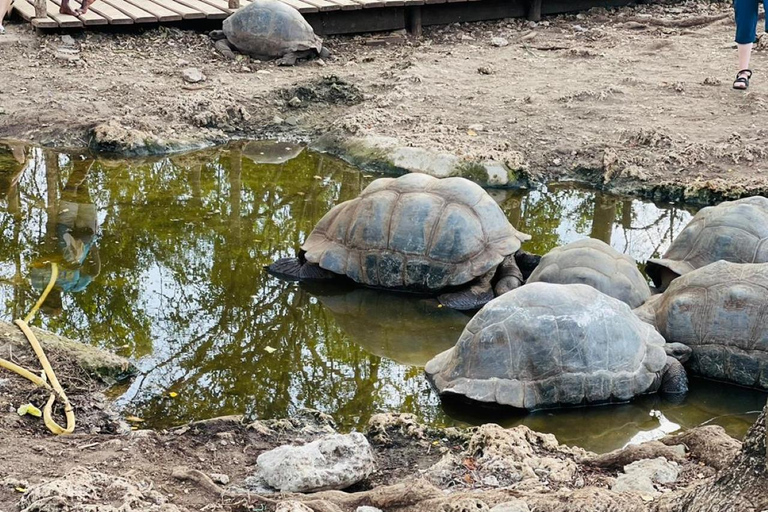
746 31
5 8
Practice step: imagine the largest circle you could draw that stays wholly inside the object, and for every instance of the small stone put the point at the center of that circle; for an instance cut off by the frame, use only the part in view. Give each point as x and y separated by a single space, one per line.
220 478
579 28
192 75
467 37
491 481
320 62
182 62
532 24
294 102
278 120
368 509
499 42
293 121
476 127
512 506
557 161
485 70
67 40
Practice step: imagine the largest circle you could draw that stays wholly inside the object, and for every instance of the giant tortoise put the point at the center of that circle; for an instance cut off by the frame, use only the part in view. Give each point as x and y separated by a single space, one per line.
720 311
415 233
593 262
549 345
735 231
268 29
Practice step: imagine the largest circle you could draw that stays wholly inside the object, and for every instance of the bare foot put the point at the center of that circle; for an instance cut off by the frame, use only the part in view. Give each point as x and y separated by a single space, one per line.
85 4
65 9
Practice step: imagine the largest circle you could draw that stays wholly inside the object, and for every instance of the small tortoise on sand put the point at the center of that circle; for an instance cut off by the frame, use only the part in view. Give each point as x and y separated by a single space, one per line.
551 345
597 264
720 312
735 231
415 233
268 29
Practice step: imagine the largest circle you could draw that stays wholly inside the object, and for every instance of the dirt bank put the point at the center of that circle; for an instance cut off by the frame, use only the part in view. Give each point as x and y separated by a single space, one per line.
634 98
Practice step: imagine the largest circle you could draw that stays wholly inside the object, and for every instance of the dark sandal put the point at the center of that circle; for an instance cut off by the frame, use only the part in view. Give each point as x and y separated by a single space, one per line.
742 79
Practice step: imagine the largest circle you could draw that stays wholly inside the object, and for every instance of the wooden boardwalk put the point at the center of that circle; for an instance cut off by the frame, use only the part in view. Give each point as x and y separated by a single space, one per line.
325 16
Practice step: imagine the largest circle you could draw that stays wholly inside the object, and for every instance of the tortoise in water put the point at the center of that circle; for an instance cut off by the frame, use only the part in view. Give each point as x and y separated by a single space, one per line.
268 29
549 345
720 312
735 231
593 262
415 233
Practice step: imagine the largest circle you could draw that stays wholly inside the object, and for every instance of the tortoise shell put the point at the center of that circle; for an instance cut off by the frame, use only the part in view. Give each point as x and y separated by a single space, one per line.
548 345
267 29
414 232
721 312
593 262
735 231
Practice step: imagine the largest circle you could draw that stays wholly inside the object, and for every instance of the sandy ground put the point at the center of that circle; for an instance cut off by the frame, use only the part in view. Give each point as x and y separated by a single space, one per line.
640 92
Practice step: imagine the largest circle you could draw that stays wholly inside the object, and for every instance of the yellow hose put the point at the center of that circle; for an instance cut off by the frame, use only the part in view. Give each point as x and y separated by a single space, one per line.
54 386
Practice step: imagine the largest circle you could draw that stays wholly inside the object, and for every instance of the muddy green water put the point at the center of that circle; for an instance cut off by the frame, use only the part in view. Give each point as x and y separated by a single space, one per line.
163 262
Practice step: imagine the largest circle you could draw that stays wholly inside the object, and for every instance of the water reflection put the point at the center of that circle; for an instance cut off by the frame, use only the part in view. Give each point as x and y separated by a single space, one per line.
166 258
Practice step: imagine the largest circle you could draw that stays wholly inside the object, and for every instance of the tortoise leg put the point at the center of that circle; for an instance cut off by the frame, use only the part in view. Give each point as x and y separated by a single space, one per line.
674 380
225 48
678 351
471 297
289 59
508 276
527 262
299 269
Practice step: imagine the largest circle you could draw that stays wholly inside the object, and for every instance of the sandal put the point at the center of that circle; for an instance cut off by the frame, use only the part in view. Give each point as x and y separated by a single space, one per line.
742 82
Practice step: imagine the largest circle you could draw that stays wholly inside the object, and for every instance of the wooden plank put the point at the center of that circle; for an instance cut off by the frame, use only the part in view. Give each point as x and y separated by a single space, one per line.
133 12
323 5
414 2
436 1
394 3
186 12
300 6
27 11
158 11
89 18
347 5
370 4
114 16
211 12
64 20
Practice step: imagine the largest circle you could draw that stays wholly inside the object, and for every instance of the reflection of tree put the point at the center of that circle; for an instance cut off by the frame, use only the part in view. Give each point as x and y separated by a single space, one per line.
182 287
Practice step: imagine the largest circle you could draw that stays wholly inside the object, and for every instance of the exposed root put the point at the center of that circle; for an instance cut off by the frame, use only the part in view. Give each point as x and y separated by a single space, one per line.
617 459
698 21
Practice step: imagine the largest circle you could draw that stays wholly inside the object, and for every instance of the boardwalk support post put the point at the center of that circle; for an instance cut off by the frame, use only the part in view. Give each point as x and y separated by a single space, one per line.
534 10
41 10
234 4
413 20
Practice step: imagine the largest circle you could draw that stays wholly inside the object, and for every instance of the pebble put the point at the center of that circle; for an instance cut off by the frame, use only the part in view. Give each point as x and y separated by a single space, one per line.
192 75
278 120
67 40
485 70
294 102
220 478
476 127
499 42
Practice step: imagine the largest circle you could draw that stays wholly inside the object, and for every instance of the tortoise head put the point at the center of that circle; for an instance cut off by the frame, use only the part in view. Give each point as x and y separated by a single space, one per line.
679 351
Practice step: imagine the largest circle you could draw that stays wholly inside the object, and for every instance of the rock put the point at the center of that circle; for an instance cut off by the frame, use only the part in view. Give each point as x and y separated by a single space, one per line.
368 509
294 102
640 476
67 40
499 42
86 489
192 75
512 506
220 478
113 137
278 120
67 55
476 127
485 70
292 506
332 462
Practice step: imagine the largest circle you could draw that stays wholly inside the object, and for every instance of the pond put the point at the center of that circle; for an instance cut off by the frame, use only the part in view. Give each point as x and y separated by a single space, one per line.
162 261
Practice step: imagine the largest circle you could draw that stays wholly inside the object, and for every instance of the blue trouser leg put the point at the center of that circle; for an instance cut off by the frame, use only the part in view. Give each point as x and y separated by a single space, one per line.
746 20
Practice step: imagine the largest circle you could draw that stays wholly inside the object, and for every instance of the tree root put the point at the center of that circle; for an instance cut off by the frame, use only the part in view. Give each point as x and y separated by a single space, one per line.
392 496
617 459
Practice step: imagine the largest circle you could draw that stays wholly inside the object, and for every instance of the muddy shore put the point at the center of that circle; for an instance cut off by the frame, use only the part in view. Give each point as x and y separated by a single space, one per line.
636 100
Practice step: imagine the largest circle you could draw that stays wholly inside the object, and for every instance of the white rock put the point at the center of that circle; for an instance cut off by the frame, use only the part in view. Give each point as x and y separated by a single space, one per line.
67 40
192 75
512 506
333 462
499 41
368 509
640 476
294 102
220 478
